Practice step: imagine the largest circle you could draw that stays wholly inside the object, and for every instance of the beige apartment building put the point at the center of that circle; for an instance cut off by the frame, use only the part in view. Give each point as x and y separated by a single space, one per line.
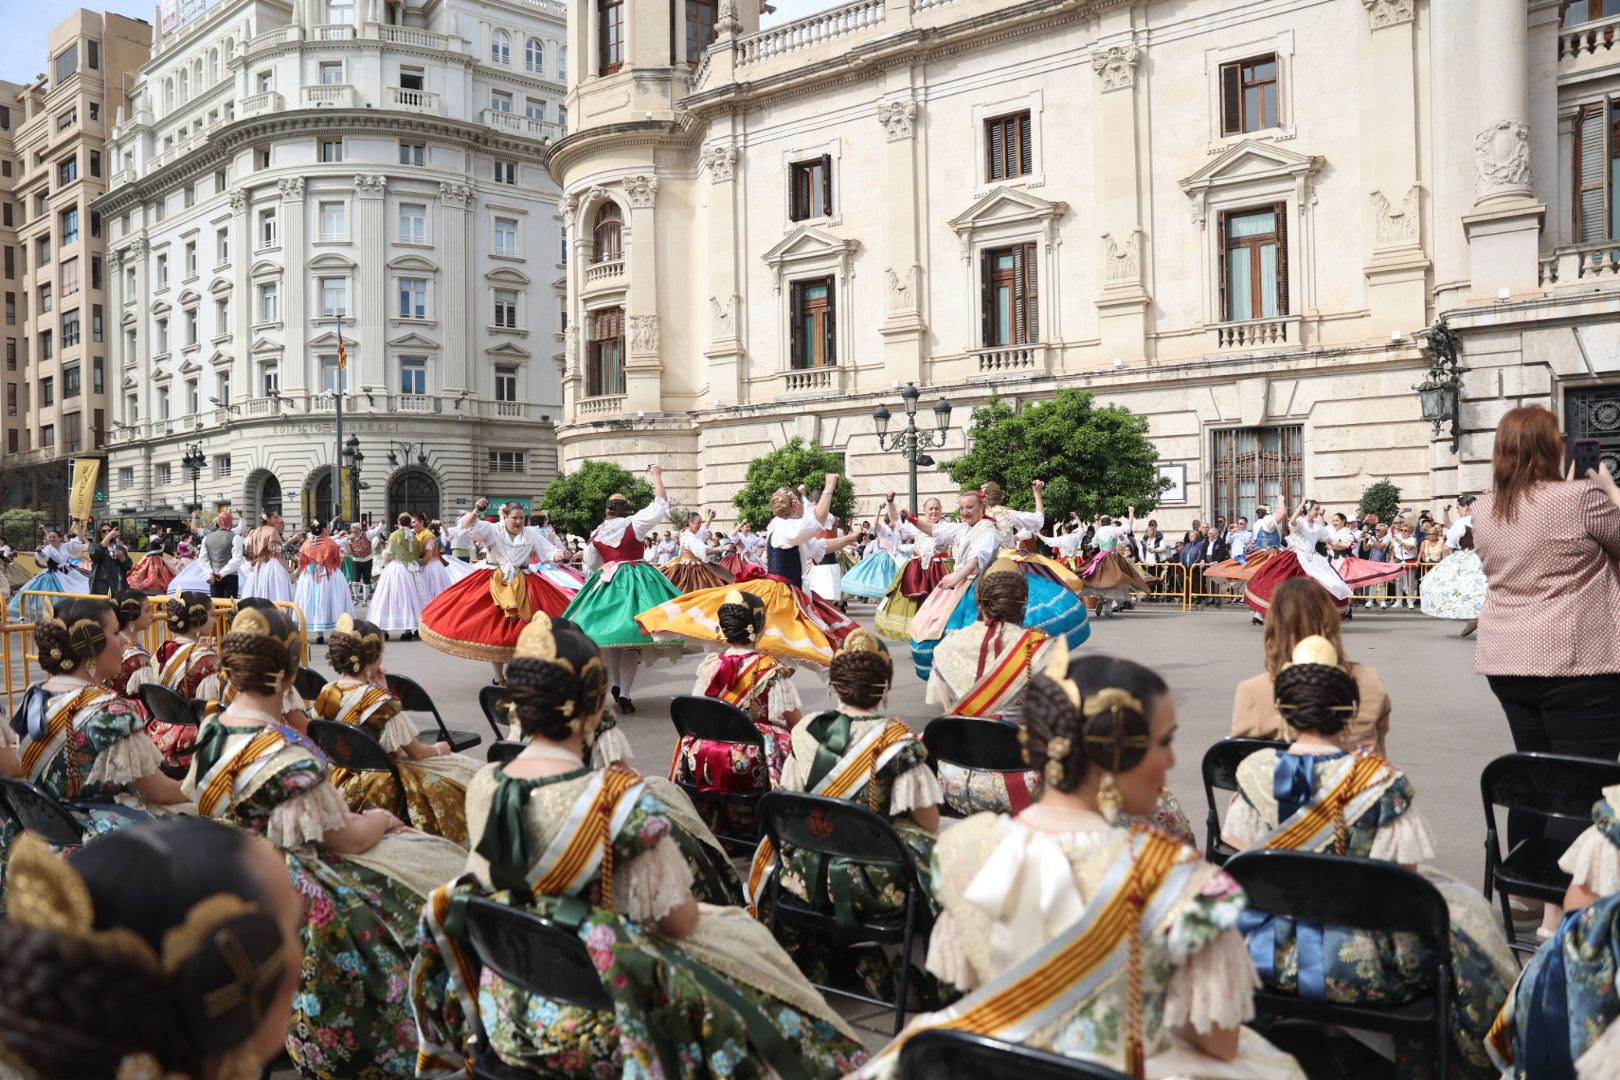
54 250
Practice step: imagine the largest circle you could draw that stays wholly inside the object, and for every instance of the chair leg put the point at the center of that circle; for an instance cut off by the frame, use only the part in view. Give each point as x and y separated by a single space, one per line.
905 961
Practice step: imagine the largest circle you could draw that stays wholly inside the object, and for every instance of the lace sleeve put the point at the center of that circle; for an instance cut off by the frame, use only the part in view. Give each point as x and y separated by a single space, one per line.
1243 825
783 699
305 817
1593 863
654 883
946 957
126 760
915 789
1405 840
397 733
1214 988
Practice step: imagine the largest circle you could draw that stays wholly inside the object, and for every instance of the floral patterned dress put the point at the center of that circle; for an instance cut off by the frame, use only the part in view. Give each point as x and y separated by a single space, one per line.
352 1012
182 666
435 787
691 1008
1360 966
135 669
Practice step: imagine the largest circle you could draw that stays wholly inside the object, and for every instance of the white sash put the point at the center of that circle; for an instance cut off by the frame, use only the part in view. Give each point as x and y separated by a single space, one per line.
577 815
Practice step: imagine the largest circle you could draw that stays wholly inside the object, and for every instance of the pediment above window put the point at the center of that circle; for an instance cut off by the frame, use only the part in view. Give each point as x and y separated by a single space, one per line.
220 359
331 260
329 340
189 298
507 350
265 268
161 308
412 341
264 347
508 275
413 262
129 382
1007 206
189 366
810 248
220 287
1251 162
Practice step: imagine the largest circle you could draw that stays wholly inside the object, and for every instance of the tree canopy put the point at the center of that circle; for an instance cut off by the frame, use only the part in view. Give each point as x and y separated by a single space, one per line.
577 501
1382 498
1095 459
790 466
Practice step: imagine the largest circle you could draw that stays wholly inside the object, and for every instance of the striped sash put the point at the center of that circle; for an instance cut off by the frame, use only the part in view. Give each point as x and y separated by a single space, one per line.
859 764
998 688
236 768
1361 781
748 678
463 984
572 859
58 723
175 667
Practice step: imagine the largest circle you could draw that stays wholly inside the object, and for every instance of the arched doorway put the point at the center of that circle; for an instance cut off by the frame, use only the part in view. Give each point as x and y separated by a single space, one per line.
264 493
413 491
324 509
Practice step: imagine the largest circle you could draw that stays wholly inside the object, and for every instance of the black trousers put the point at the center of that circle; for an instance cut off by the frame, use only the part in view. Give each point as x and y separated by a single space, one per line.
1573 715
224 588
362 570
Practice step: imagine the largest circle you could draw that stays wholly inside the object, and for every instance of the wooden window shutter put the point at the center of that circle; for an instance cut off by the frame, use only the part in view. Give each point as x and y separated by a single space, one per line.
1032 307
796 325
987 298
1281 210
794 200
1225 313
1591 169
1019 326
993 149
826 190
829 336
1026 159
1231 99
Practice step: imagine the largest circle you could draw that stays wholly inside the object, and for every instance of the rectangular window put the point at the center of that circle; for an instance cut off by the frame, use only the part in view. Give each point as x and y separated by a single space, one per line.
47 391
814 323
508 461
45 303
1254 263
222 317
72 434
700 18
126 477
269 308
334 221
163 271
222 466
71 381
329 374
1010 296
67 63
506 306
11 354
1255 466
95 225
270 380
67 119
189 196
412 154
505 172
162 336
1249 95
191 326
412 223
506 383
604 376
69 277
163 404
413 375
222 385
332 150
1597 172
191 259
98 375
334 297
1008 153
413 298
609 36
412 78
47 347
500 100
95 162
70 328
47 436
505 236
534 108
165 471
222 246
810 188
267 229
332 73
97 330
70 226
67 171
95 271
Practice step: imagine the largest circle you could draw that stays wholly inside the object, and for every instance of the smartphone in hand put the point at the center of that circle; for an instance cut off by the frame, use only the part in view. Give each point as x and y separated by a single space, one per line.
1584 452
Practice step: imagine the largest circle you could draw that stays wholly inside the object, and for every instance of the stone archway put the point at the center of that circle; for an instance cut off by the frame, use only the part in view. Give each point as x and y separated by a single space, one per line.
263 494
413 490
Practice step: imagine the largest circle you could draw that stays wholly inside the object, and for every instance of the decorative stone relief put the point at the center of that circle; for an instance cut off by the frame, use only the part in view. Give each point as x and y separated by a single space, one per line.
721 159
899 118
729 21
291 188
115 259
643 334
455 194
1382 13
1502 156
139 248
571 349
1122 262
724 323
641 190
1117 66
371 184
1397 225
566 208
905 291
239 200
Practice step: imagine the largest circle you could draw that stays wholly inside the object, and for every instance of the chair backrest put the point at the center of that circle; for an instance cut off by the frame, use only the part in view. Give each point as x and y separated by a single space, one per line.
348 747
309 683
503 750
831 827
489 700
166 705
1335 890
199 710
713 720
1553 785
1222 759
974 743
534 954
944 1054
37 810
412 696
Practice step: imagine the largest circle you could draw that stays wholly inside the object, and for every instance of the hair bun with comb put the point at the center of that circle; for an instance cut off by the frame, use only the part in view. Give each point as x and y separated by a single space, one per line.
1316 650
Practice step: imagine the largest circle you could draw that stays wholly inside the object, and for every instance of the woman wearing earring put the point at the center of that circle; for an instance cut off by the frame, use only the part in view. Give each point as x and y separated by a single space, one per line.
169 949
184 662
705 987
75 738
854 752
135 666
323 592
362 876
435 779
1082 937
1282 792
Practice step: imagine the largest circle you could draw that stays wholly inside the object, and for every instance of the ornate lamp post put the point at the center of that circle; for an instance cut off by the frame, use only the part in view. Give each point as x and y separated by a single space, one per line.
911 442
194 460
1440 391
408 451
351 453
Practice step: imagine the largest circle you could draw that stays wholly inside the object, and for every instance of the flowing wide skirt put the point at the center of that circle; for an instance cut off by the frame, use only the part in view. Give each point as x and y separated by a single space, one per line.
457 568
796 628
1359 573
690 575
872 576
268 579
435 579
152 574
1052 608
323 597
1293 564
193 578
1455 588
825 580
396 605
1111 575
49 581
606 608
912 583
465 621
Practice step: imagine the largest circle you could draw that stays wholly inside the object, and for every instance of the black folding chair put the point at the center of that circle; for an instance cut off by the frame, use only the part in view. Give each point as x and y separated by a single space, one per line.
503 750
1221 763
489 700
712 720
1361 894
534 954
979 745
834 829
350 748
199 710
166 705
309 683
1559 790
944 1054
413 698
38 811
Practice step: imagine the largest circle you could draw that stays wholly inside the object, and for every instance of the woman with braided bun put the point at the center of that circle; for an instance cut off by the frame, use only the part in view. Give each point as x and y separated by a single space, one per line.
167 950
1316 796
187 663
136 667
856 753
218 691
434 778
322 592
78 740
362 876
698 990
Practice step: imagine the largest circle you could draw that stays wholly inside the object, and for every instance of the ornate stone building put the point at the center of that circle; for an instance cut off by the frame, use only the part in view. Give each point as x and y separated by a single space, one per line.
1237 217
293 174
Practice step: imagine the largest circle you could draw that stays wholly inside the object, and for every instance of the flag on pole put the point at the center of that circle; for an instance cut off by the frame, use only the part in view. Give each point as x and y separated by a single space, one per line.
343 356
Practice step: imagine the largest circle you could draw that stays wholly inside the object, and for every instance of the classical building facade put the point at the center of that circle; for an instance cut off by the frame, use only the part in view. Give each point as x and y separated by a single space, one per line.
1236 218
54 248
338 178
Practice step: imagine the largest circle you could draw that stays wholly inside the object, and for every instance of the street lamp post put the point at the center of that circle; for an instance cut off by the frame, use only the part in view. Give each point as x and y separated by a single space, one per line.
409 452
351 451
1439 394
911 442
194 460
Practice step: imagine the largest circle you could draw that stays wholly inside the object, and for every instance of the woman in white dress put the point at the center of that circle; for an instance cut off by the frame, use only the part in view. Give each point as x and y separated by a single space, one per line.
1300 559
401 594
264 567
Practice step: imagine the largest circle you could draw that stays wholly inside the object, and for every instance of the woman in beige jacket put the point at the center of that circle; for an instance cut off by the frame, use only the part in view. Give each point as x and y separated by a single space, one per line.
1299 609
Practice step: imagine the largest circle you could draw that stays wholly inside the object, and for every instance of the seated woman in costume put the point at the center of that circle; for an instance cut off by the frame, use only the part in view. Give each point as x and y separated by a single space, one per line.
1316 796
135 666
218 691
169 949
362 876
696 988
1034 902
435 779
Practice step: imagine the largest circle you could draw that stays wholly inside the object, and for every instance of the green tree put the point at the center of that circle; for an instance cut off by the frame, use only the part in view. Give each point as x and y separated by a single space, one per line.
21 527
1382 498
790 466
1095 459
577 501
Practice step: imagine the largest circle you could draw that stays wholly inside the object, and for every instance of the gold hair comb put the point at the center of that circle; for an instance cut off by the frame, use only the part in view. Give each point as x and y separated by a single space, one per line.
44 891
1057 669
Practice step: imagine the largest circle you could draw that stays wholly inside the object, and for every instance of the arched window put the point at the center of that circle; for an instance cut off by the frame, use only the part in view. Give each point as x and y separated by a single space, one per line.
500 47
230 47
534 56
607 233
609 36
168 94
562 61
185 93
213 65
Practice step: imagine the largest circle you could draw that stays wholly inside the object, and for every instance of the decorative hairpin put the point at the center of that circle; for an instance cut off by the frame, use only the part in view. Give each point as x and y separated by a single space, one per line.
1114 701
250 621
1057 669
537 642
1315 649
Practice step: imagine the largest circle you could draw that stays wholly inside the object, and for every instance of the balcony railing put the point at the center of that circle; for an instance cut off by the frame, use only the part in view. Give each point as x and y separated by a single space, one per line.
601 406
412 35
808 380
331 96
809 32
609 270
1592 37
268 102
271 39
1591 263
1004 358
521 125
1259 332
415 403
422 101
332 32
259 406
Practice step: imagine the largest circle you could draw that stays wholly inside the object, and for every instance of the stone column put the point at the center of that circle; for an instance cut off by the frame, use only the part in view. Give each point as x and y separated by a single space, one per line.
1397 272
568 374
142 360
721 325
456 291
370 309
1122 297
240 233
299 372
905 325
643 367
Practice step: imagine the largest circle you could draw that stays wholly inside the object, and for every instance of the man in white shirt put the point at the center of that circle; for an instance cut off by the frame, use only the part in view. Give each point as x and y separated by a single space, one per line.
1238 537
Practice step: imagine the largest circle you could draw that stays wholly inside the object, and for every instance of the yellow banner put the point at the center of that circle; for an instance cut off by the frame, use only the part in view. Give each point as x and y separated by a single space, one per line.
82 494
347 480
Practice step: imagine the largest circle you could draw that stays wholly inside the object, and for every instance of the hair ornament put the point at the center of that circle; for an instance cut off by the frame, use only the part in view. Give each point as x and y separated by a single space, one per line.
1315 649
734 596
44 891
345 626
250 621
1056 750
1113 701
537 642
144 1066
860 641
1057 669
1002 565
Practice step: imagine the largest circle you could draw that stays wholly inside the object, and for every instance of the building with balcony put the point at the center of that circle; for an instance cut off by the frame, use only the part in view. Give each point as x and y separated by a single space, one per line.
1235 217
54 165
296 179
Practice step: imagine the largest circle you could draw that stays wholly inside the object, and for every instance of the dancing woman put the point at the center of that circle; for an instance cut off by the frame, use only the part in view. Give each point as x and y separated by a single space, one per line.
871 577
697 989
264 568
691 570
1306 529
622 583
397 604
61 574
917 575
323 591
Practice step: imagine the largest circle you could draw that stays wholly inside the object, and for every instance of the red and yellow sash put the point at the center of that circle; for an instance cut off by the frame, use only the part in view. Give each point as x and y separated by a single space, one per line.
748 678
178 663
996 688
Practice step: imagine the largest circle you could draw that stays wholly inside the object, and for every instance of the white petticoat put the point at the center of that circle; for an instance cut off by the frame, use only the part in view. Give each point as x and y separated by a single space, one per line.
194 578
396 605
268 579
323 597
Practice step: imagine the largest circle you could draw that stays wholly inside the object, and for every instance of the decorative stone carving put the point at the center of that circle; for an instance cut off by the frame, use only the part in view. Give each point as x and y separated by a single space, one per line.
140 247
905 291
1382 13
1502 157
641 190
1397 225
1123 262
371 185
292 188
721 159
456 194
239 200
729 21
899 118
643 334
115 259
571 350
724 324
566 208
1117 66
595 195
